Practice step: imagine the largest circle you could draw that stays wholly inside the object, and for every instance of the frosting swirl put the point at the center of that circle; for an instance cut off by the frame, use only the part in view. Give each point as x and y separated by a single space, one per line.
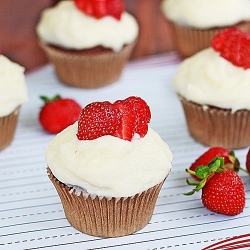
206 14
109 166
66 26
208 79
13 90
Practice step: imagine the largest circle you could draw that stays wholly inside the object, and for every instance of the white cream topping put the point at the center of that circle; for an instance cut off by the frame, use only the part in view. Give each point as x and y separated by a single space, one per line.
109 166
208 79
66 26
205 14
13 90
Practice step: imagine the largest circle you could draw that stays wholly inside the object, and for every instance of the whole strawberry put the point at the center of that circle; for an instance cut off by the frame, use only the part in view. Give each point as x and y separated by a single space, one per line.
248 161
58 113
101 8
222 190
230 161
121 119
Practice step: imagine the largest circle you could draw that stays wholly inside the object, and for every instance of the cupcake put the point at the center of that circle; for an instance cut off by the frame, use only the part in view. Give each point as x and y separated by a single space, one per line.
195 22
13 93
213 86
88 44
108 168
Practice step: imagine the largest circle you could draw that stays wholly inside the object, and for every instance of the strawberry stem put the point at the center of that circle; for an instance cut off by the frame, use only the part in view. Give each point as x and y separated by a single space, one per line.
47 99
204 173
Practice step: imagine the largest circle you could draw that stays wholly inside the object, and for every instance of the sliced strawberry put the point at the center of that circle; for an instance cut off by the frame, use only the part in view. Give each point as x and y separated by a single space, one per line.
98 119
248 161
233 45
126 128
142 112
115 8
101 8
85 6
122 119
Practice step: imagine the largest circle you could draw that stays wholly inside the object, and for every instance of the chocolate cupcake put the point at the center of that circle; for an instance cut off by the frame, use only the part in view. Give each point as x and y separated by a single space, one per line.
88 50
213 86
108 175
195 22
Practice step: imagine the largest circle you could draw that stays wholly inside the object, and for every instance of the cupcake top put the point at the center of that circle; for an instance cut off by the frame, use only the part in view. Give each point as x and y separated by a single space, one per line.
13 90
107 164
218 76
67 26
204 14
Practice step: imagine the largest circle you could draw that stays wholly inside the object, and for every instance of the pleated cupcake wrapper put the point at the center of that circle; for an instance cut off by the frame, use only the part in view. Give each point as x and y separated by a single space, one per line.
88 70
217 127
7 128
189 41
104 216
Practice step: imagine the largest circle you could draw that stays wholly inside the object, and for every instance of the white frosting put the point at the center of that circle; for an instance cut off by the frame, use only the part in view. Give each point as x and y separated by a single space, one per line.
66 26
208 79
205 14
109 166
13 90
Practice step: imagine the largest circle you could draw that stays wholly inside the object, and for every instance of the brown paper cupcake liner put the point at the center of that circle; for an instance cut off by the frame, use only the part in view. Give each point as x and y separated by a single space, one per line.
213 126
7 128
107 217
88 70
189 41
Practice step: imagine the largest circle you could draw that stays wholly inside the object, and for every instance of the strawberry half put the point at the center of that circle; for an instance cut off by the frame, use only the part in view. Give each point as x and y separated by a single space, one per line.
230 161
58 113
222 189
233 45
122 119
101 8
135 117
98 119
115 8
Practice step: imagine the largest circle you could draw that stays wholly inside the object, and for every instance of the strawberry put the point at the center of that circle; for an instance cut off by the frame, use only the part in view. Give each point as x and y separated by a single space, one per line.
128 121
233 45
58 113
101 8
98 119
135 117
230 161
248 161
222 189
121 119
115 8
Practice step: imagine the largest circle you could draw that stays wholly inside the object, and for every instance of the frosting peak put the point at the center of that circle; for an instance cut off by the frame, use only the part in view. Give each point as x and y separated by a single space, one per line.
208 79
205 14
13 90
66 26
109 166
